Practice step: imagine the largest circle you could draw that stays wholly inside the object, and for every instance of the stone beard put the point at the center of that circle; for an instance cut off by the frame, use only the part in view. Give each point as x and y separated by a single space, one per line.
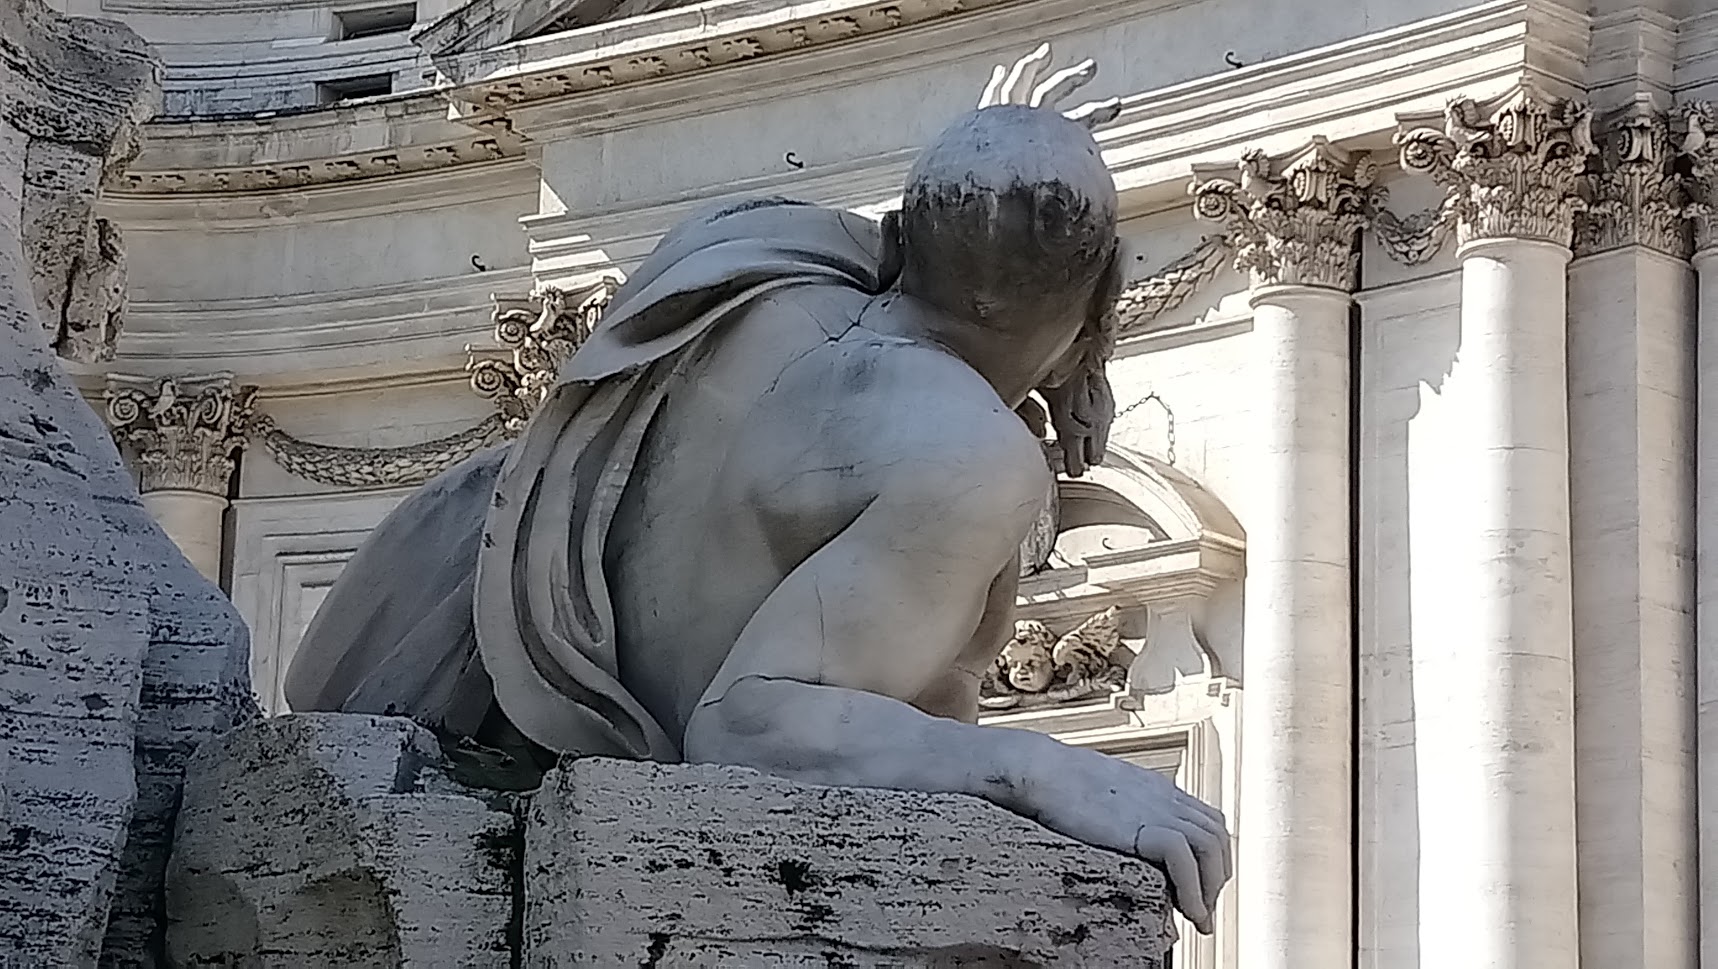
731 534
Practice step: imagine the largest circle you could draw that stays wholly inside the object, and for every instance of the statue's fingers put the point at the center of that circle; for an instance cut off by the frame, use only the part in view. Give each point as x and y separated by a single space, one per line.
993 90
1063 83
1023 74
1208 851
1094 113
1220 832
1170 849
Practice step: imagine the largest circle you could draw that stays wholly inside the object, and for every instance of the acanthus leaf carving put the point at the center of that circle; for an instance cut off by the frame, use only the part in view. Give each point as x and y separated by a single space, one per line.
1634 196
1293 221
1511 168
183 433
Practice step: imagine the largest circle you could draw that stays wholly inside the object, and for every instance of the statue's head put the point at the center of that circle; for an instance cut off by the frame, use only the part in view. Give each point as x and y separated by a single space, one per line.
1009 210
1008 221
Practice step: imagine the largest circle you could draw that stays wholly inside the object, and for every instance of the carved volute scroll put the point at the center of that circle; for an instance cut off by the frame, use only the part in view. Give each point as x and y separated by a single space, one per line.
539 333
1295 220
1635 197
183 432
1513 167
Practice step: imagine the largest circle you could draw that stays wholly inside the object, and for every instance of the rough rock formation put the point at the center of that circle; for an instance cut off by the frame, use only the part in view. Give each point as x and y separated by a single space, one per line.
641 864
337 841
116 657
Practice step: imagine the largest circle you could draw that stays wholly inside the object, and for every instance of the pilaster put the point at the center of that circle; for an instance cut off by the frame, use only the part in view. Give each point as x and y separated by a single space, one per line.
1631 460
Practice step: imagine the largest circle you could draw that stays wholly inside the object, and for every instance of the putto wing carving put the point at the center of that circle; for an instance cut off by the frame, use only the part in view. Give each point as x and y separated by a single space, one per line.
1038 668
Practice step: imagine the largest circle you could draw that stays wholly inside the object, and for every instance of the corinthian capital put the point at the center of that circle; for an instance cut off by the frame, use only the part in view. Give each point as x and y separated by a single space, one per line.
1635 198
1512 166
1698 156
182 432
1292 220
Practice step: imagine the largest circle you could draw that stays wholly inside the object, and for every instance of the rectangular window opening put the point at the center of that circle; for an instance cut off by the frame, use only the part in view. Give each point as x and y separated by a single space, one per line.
351 88
374 21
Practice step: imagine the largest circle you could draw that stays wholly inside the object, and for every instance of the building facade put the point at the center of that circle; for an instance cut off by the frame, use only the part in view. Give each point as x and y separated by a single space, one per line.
1394 559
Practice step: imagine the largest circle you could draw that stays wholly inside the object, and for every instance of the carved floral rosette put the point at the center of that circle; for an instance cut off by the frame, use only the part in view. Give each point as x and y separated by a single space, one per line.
1512 168
184 433
538 333
1294 221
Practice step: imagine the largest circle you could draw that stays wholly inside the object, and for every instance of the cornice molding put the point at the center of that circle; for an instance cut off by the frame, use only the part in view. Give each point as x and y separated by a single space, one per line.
493 142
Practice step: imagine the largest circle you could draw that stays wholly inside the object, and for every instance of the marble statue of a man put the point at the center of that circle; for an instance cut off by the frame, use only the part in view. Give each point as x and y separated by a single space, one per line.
769 514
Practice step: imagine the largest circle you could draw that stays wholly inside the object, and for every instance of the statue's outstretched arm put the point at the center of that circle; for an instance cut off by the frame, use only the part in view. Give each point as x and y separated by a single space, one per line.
815 687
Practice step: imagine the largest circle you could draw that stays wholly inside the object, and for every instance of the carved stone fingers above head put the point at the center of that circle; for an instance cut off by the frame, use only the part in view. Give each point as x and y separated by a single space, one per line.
1024 82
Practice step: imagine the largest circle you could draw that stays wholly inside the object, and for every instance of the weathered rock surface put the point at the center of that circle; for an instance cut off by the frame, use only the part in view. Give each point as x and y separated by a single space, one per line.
331 840
631 864
116 657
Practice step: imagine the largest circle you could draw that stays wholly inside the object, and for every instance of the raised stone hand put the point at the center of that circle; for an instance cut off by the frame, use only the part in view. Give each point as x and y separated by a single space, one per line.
1021 84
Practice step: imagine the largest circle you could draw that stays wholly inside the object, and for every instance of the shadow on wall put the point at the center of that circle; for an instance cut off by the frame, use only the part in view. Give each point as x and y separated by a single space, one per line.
1410 339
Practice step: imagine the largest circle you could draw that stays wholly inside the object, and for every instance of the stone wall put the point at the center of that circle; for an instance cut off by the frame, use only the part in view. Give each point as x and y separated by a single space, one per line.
116 658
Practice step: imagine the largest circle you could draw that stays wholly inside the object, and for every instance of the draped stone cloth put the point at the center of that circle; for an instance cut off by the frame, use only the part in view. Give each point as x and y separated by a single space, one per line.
487 585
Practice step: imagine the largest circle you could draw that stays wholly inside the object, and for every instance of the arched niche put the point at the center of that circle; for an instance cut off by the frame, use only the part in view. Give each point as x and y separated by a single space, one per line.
1146 538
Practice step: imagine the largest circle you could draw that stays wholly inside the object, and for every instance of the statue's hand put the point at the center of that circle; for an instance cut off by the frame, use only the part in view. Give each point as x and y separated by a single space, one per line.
1020 84
1110 803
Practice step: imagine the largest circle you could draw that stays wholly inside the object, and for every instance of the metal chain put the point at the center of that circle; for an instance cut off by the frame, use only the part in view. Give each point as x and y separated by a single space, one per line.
1169 417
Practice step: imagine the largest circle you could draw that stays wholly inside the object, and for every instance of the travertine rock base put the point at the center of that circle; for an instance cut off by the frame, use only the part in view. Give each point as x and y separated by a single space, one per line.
630 864
116 657
332 841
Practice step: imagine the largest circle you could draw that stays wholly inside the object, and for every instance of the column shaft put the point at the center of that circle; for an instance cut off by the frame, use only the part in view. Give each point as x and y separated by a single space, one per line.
193 520
1492 622
1295 885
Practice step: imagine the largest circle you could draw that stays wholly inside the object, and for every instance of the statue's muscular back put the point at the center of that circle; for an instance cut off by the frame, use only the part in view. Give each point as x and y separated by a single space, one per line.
783 430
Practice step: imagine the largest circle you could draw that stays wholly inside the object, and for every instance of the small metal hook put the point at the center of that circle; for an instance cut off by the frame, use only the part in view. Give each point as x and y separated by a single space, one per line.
793 161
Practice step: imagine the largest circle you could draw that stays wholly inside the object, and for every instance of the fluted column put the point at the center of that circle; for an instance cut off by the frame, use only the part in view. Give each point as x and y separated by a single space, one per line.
1490 559
1700 149
1631 427
181 436
1294 223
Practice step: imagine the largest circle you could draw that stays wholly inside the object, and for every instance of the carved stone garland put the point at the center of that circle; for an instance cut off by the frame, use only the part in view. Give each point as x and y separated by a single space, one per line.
1037 667
1293 223
1635 198
182 433
1511 169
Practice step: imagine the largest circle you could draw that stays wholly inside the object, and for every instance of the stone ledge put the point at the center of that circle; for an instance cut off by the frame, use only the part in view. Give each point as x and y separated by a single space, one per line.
338 840
695 865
